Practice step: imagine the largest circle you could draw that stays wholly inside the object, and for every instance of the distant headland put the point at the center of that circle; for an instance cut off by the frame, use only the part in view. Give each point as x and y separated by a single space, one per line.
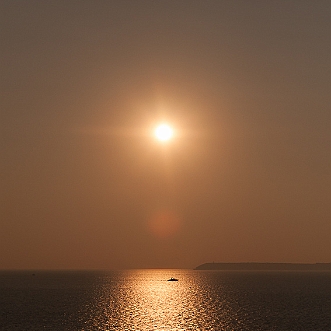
255 266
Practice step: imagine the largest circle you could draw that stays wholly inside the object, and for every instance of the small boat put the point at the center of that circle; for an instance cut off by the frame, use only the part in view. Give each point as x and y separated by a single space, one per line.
172 279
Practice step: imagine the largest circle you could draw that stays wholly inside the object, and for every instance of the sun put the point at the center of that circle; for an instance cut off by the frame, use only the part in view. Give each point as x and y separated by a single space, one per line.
164 132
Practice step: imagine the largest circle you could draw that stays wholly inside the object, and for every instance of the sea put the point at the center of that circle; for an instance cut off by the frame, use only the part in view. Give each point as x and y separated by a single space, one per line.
146 300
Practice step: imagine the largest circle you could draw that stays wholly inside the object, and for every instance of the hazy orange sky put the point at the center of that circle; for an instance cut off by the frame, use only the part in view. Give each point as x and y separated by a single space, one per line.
247 177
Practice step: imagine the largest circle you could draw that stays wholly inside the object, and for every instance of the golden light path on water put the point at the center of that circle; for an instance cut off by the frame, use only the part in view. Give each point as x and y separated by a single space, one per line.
145 300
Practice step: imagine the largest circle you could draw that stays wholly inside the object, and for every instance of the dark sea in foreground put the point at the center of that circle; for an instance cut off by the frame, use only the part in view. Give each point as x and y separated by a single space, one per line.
145 300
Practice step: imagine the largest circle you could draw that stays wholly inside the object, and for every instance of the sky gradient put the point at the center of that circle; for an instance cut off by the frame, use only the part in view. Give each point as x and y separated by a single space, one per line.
247 177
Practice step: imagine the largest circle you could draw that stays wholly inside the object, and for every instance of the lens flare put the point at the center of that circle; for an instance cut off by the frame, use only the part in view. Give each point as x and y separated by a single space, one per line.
164 224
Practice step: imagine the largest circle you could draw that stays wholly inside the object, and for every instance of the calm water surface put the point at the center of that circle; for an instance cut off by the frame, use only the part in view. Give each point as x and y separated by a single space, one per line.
145 300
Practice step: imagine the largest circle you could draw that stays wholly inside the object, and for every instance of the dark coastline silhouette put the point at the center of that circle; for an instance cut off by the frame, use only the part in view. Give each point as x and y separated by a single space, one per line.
265 266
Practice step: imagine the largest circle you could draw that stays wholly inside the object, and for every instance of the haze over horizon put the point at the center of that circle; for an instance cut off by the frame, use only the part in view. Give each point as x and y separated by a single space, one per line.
246 177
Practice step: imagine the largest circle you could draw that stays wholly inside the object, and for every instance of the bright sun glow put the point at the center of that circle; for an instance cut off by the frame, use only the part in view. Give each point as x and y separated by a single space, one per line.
163 132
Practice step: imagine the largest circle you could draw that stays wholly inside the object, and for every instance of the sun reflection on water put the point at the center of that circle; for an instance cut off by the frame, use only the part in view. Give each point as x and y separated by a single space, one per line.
145 300
154 303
